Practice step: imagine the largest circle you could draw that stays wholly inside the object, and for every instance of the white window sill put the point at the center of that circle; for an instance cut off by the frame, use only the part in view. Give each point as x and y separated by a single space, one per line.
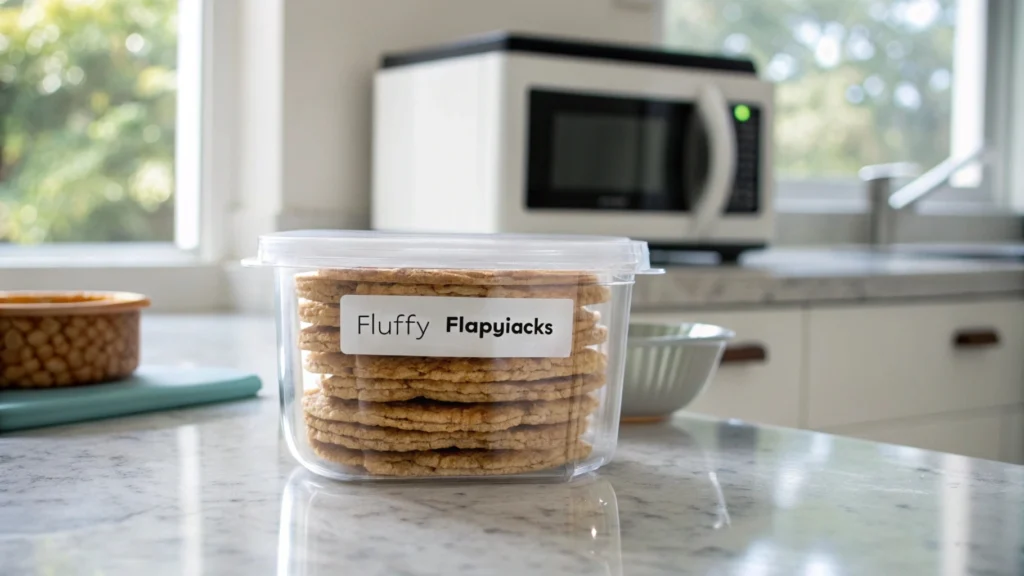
94 256
174 280
835 222
859 206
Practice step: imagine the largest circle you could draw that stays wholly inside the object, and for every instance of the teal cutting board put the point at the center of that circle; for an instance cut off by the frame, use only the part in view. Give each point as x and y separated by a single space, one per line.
150 388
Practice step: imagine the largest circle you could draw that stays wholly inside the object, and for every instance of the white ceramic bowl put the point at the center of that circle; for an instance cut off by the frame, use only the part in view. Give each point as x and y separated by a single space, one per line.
668 366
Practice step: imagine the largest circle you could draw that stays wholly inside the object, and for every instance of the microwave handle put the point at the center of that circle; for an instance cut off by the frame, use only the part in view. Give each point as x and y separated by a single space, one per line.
714 111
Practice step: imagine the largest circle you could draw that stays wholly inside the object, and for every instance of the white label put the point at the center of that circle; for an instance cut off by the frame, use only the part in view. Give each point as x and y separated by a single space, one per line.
457 327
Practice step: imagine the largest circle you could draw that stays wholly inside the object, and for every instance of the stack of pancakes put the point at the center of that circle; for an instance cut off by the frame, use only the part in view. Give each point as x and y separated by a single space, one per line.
430 416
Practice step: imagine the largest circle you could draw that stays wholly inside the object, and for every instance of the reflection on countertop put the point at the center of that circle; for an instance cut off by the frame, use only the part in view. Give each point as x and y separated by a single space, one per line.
791 276
213 491
456 528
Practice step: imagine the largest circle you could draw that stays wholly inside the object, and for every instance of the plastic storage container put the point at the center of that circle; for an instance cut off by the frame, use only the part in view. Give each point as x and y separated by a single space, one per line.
457 356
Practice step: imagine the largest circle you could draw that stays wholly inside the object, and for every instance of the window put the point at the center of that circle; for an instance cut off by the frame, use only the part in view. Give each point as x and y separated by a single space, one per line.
95 101
858 82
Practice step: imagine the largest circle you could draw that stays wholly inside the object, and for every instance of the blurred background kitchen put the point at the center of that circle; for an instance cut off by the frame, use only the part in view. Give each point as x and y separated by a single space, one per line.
879 289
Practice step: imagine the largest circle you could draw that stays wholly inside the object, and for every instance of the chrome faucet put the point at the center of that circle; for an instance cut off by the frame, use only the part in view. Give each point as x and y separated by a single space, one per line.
886 207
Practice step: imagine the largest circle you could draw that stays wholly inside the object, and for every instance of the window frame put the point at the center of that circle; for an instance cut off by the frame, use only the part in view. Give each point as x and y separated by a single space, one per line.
204 132
205 176
844 195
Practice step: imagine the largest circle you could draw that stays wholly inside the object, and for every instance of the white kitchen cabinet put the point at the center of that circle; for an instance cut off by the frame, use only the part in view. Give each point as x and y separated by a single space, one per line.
974 435
1012 436
759 379
883 362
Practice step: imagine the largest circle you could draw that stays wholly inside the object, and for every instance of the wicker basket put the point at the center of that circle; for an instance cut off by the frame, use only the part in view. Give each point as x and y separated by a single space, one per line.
51 339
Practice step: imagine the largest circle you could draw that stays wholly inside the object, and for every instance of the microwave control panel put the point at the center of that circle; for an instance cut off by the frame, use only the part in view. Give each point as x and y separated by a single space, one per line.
745 197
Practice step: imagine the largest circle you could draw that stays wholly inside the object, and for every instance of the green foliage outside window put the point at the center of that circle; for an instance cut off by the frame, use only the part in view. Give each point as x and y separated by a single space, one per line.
87 120
858 81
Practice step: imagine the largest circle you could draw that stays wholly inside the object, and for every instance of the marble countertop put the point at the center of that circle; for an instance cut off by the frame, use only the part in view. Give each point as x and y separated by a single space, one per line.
792 276
213 490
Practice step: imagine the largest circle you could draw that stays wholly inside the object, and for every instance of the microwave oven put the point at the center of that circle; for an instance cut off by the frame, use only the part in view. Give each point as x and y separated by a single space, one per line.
515 133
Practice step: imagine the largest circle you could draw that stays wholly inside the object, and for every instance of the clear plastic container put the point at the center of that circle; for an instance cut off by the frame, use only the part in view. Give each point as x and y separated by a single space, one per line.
412 356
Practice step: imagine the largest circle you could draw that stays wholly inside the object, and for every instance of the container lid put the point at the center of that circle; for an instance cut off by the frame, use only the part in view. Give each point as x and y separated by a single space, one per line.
362 249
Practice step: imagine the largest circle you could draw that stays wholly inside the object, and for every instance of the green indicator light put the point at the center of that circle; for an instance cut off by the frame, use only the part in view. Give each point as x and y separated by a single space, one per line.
741 113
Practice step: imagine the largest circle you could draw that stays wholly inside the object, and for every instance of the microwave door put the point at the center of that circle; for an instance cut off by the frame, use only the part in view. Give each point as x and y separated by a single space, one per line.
714 114
588 151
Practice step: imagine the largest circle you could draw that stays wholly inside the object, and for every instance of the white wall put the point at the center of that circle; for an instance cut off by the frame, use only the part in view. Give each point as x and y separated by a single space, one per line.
256 201
330 51
305 78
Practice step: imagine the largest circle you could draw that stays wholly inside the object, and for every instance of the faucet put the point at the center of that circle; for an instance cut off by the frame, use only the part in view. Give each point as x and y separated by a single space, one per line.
886 207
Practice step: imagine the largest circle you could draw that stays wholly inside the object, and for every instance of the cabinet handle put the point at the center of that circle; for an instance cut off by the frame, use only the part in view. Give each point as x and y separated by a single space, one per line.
976 338
745 353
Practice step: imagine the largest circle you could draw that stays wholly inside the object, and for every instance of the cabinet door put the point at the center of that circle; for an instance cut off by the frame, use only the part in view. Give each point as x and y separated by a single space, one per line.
977 436
872 363
1012 436
759 378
